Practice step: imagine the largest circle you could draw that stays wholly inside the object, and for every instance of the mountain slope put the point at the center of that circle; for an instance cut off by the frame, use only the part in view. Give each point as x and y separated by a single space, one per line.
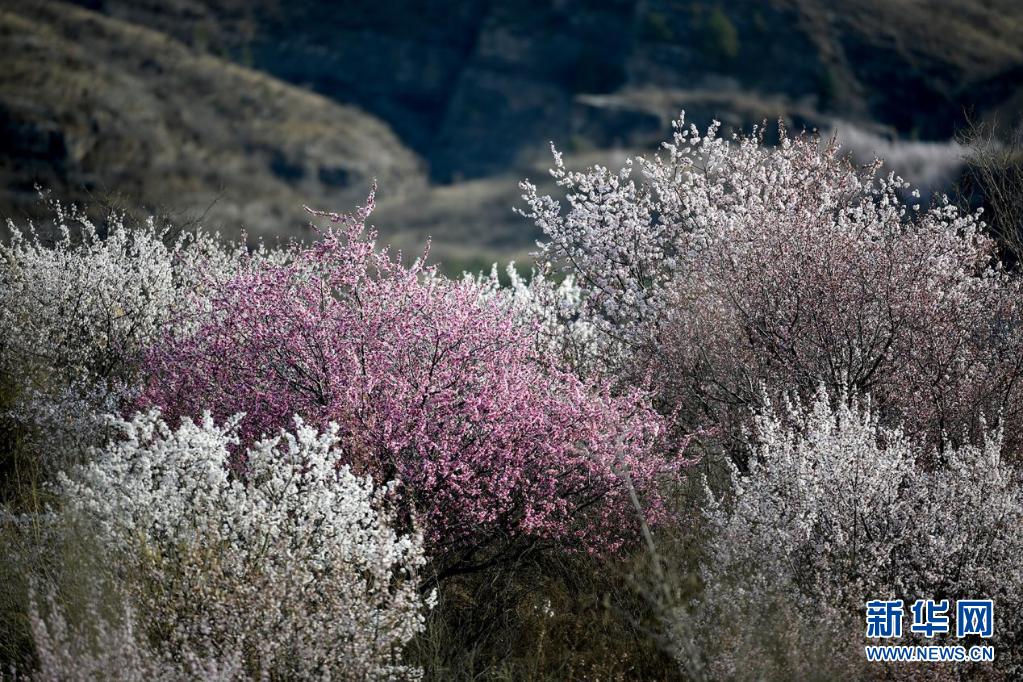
479 87
93 108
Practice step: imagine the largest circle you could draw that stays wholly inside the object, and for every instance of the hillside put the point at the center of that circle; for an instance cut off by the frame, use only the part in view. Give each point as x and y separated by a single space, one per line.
102 111
256 108
477 87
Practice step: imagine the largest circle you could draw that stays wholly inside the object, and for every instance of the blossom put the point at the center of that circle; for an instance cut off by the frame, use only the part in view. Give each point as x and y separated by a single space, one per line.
836 510
292 567
554 311
432 383
76 314
722 265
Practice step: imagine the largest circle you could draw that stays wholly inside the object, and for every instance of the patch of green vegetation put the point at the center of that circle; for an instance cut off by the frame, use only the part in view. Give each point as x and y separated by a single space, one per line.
829 87
720 37
656 28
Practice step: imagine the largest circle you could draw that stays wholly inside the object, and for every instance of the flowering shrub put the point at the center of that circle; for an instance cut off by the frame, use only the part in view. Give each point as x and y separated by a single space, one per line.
72 311
732 264
289 568
836 510
564 336
76 314
432 383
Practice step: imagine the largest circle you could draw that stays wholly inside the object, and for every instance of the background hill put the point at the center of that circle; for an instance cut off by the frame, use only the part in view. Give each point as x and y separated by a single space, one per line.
270 105
98 109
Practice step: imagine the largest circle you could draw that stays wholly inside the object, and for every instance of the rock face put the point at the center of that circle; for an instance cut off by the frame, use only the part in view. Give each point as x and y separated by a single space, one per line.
477 87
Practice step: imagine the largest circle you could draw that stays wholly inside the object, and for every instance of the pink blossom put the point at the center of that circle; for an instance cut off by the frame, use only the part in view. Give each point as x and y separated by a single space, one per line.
431 383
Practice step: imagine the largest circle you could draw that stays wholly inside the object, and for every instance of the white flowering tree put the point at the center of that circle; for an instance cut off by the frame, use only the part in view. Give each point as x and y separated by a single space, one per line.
288 567
555 313
835 510
77 310
722 265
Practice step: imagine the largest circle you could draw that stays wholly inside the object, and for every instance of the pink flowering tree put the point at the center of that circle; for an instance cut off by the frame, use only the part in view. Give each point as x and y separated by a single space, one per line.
431 383
723 266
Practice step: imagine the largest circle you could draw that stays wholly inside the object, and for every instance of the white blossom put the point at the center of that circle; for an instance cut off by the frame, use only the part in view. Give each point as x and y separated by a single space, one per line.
836 510
723 264
77 313
283 559
554 311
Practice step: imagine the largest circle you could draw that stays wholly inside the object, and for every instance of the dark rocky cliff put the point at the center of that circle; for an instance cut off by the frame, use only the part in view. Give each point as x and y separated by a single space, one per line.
472 86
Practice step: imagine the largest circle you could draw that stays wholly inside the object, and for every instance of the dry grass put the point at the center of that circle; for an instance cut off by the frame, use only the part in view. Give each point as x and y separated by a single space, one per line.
555 618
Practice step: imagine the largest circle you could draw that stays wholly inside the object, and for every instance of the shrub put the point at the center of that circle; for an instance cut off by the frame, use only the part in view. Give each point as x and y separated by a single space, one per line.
732 264
836 510
78 652
289 567
76 310
432 384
